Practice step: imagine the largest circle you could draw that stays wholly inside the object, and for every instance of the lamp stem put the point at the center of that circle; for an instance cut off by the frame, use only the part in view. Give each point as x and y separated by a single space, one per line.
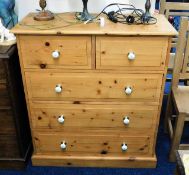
85 5
146 17
148 6
85 14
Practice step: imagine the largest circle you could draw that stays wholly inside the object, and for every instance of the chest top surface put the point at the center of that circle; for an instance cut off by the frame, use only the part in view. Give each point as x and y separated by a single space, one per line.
65 24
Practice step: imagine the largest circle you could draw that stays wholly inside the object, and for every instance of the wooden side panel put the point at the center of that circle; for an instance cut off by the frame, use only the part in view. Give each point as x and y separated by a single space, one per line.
150 53
92 86
9 146
7 123
75 52
4 95
46 116
2 71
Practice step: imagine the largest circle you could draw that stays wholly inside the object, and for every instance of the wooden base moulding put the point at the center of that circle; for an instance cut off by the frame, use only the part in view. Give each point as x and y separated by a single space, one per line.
89 161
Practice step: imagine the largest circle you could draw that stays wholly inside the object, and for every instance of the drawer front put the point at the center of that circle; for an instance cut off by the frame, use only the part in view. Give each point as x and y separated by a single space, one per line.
7 122
72 52
2 71
4 95
76 86
66 144
141 53
60 116
9 147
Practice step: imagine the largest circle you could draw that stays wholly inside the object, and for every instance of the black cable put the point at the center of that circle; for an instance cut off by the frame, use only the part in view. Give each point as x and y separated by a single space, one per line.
137 16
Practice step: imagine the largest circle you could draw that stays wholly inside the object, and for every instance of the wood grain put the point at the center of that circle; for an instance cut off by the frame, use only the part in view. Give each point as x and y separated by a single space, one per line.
93 100
87 144
93 116
112 53
94 161
94 86
75 52
60 27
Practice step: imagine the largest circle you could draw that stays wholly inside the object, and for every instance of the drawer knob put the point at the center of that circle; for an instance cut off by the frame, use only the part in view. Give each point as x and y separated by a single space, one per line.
55 54
124 147
128 90
61 119
63 145
126 120
58 88
131 56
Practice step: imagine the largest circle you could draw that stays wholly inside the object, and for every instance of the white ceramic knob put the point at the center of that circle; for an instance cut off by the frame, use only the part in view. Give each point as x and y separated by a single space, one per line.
58 88
126 120
55 54
128 90
61 119
131 56
124 147
63 145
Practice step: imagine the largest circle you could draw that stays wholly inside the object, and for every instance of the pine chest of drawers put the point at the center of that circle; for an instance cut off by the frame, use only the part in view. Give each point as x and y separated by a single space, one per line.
94 94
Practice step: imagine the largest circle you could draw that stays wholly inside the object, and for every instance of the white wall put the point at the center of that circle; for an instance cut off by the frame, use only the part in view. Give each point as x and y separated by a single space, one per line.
23 7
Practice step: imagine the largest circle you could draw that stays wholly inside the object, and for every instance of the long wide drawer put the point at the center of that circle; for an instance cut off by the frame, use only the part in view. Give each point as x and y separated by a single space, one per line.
99 144
138 53
88 86
62 116
72 52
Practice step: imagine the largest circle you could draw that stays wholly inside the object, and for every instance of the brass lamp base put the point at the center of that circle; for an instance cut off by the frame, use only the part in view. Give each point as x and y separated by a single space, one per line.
44 16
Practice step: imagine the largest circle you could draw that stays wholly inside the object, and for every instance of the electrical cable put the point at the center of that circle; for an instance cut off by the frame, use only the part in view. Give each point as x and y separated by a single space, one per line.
137 16
47 27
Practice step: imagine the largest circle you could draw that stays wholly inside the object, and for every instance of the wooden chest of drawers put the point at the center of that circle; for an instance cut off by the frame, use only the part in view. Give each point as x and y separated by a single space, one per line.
94 94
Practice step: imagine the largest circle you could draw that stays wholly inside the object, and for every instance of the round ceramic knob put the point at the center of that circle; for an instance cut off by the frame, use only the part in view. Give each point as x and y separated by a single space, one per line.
126 120
58 88
63 145
124 147
128 90
55 54
61 119
131 56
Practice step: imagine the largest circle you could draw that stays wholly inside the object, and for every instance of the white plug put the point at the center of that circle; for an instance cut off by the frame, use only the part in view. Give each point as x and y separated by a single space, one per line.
102 22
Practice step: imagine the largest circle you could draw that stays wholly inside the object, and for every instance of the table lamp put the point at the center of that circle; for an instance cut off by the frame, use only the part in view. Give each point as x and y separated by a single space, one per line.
43 15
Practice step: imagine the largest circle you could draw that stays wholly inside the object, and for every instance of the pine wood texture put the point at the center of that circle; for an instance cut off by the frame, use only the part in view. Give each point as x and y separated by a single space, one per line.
97 161
73 55
94 86
92 144
59 26
93 116
93 72
112 53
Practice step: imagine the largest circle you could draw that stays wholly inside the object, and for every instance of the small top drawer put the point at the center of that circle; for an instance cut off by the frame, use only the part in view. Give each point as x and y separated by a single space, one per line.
71 52
138 53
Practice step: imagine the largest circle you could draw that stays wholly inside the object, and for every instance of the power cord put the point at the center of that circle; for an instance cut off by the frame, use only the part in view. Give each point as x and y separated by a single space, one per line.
136 16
